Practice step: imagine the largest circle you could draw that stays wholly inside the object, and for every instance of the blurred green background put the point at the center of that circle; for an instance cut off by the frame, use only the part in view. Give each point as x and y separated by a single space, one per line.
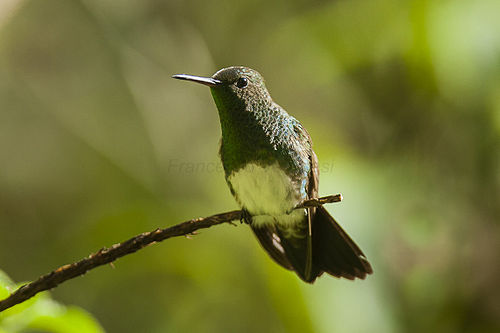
98 143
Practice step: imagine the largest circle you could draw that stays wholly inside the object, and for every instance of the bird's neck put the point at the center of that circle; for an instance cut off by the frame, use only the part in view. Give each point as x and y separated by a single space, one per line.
246 134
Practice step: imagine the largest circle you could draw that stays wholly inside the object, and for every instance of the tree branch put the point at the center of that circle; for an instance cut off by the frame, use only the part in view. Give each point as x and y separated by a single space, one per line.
108 255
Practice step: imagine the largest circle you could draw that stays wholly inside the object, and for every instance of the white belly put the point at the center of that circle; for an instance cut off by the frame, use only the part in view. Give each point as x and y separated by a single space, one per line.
268 194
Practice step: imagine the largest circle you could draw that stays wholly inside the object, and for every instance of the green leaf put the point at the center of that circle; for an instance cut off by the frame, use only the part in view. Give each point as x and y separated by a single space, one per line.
43 313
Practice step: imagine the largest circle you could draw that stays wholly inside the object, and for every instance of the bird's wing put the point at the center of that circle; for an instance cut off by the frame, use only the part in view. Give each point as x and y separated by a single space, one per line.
333 250
306 263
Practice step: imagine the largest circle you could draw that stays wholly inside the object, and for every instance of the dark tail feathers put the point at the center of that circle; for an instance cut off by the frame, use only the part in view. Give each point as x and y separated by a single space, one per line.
329 249
334 251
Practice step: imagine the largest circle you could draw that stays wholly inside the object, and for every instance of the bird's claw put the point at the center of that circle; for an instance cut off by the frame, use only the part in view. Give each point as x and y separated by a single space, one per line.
245 217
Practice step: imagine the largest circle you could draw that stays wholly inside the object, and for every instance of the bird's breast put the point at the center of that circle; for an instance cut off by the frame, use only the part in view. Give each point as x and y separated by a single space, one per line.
268 194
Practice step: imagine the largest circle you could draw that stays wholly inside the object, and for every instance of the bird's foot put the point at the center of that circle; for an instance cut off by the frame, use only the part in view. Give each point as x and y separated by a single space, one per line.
245 217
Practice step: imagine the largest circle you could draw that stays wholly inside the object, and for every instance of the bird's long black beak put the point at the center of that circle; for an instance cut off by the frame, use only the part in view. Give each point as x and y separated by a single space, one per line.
208 81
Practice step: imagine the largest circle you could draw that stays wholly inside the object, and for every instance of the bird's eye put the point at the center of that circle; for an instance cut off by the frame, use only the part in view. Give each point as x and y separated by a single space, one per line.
242 82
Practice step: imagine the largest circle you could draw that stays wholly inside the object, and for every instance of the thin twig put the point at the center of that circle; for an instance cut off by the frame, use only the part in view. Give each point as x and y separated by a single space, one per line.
108 255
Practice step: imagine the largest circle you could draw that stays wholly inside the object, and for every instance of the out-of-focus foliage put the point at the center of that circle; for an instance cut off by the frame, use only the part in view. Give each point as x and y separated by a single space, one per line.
41 313
98 143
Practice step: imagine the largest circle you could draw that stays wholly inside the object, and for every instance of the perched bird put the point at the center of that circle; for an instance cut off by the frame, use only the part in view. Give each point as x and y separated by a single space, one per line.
270 168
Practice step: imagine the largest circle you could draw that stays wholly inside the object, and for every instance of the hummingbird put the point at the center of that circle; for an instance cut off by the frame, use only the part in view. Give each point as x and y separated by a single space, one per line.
271 168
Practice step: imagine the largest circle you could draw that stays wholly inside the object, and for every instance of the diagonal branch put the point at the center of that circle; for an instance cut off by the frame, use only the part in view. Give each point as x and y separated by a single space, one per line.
108 255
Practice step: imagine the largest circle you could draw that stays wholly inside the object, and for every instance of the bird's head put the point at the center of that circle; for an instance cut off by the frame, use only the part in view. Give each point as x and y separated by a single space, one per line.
234 87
